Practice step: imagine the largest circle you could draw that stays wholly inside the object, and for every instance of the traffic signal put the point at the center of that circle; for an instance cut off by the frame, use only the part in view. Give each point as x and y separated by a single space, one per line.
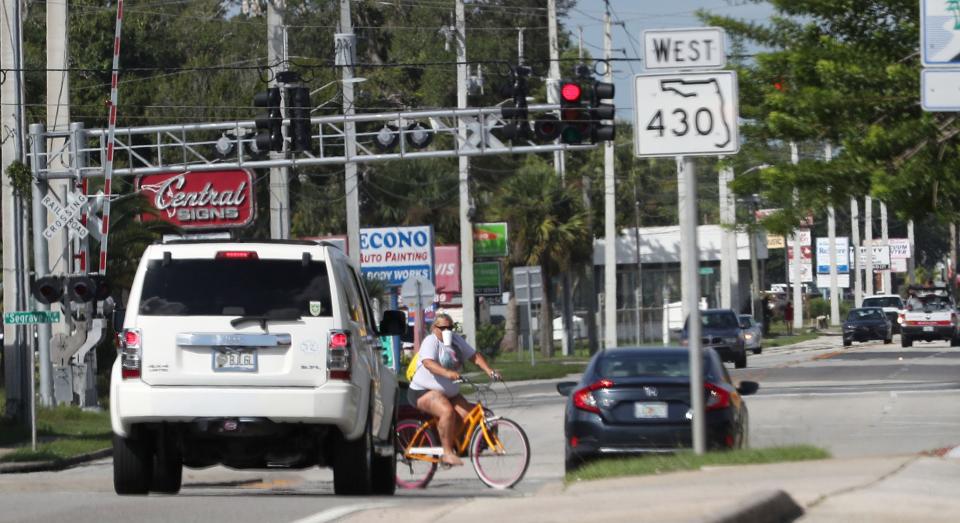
299 113
87 288
516 127
48 289
599 111
269 125
574 120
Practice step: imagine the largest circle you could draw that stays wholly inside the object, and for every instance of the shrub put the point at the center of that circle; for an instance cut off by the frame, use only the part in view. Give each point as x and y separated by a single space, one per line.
819 307
488 339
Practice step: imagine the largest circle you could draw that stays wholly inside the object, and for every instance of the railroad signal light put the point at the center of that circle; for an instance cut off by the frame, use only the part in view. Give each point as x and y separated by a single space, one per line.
547 127
299 113
87 288
48 289
418 135
387 138
517 126
269 125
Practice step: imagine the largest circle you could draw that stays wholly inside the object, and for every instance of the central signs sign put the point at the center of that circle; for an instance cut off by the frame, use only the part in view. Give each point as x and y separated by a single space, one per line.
200 200
490 240
686 114
393 254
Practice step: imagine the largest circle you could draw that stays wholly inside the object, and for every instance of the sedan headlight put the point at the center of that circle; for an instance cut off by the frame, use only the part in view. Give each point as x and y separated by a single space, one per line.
748 336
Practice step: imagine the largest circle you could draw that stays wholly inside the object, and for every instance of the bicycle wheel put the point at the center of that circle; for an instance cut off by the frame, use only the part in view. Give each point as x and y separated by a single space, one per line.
414 473
501 467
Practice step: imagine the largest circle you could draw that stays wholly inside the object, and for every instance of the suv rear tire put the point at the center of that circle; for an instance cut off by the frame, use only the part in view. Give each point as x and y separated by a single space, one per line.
132 465
385 467
167 467
353 465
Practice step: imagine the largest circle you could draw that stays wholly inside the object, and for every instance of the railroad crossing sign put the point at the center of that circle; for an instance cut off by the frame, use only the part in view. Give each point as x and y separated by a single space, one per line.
65 216
686 114
30 317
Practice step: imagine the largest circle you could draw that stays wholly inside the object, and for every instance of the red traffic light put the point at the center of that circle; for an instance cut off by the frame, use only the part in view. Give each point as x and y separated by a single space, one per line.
570 92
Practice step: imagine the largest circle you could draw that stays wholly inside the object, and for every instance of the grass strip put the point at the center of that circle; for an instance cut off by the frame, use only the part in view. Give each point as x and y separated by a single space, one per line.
687 460
513 370
62 432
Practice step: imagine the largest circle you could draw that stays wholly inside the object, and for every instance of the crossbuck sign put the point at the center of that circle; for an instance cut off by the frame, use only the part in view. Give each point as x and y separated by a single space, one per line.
686 114
65 216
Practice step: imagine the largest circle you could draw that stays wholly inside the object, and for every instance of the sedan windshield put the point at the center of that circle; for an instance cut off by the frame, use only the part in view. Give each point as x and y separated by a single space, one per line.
674 364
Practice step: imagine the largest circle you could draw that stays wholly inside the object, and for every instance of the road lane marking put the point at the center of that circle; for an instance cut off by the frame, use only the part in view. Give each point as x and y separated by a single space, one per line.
336 513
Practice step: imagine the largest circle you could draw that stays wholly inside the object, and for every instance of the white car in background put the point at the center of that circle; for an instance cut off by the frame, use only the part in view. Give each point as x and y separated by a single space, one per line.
752 333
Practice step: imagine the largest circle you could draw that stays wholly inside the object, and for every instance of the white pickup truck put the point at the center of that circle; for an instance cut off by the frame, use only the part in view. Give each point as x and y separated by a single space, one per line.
930 316
252 355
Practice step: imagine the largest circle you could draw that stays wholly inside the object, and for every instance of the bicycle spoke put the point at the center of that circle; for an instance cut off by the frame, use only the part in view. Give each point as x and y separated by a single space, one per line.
414 473
504 465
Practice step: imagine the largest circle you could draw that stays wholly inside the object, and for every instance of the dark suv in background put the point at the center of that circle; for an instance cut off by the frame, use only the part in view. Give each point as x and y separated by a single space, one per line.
720 331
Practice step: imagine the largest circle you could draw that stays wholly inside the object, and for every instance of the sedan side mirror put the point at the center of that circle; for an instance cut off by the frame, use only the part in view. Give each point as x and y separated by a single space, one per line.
746 388
565 387
393 323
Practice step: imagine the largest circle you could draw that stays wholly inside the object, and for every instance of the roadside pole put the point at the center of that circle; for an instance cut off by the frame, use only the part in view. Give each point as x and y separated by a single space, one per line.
868 242
729 266
911 264
885 239
609 216
41 262
467 291
279 176
855 238
690 283
832 237
797 256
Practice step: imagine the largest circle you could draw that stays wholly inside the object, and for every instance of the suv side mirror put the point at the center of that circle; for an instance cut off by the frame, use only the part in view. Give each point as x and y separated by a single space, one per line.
393 323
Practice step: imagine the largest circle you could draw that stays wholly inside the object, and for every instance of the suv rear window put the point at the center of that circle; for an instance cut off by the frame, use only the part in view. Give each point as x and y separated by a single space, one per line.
891 301
208 287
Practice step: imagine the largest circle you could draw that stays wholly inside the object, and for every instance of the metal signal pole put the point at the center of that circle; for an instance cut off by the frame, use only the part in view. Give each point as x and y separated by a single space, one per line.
279 176
345 56
609 214
690 288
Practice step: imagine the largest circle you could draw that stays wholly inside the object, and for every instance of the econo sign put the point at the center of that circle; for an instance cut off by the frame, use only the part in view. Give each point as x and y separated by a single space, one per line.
200 200
393 254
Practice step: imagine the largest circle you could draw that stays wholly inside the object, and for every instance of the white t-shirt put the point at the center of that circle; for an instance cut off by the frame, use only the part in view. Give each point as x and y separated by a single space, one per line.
432 349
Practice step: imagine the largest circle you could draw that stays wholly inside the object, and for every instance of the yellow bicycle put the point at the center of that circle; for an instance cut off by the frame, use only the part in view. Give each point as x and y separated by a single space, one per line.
497 448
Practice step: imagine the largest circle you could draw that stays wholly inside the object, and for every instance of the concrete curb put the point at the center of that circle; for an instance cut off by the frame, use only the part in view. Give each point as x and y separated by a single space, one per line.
55 464
769 507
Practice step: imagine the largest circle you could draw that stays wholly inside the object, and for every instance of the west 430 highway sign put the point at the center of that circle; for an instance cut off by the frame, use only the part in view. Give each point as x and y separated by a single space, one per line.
686 114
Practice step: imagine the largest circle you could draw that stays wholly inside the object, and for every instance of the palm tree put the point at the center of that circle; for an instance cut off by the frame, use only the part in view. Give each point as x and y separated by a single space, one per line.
548 227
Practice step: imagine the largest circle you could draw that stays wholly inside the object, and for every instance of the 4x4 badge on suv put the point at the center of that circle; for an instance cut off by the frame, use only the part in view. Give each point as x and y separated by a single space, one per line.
315 308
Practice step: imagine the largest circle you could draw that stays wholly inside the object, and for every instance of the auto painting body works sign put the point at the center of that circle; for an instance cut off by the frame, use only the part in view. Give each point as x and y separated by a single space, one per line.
200 200
393 254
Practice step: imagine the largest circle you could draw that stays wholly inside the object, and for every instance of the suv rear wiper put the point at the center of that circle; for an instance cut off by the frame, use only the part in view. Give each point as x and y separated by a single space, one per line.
277 315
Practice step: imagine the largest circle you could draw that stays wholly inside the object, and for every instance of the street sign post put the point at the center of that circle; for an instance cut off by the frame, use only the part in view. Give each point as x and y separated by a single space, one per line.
693 48
30 317
686 114
528 288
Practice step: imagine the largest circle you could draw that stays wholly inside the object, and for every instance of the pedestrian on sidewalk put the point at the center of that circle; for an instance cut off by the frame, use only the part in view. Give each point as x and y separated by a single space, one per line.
788 317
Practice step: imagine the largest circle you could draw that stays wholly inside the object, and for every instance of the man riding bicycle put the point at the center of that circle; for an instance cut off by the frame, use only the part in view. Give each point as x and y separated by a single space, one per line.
433 389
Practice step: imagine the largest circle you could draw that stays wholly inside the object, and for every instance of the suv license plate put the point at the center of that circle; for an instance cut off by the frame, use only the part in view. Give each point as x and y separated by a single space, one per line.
235 360
650 410
928 329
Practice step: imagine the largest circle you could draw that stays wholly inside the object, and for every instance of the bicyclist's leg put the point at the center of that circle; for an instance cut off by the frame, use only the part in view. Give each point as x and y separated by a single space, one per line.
437 405
462 406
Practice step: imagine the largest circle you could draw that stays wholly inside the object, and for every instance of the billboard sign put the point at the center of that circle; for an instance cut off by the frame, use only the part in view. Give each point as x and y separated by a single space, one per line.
490 240
899 248
447 269
823 254
487 278
393 254
200 200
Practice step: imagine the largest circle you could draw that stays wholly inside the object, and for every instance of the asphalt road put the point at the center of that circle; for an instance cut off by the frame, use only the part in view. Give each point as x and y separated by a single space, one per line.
869 399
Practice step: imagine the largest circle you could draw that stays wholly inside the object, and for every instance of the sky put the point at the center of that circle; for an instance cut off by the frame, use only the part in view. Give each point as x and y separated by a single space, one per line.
639 15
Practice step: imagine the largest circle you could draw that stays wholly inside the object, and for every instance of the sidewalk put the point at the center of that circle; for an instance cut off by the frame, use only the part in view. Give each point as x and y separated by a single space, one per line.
878 489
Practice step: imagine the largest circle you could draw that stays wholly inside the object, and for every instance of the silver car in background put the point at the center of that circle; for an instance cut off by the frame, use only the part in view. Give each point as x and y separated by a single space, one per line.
752 333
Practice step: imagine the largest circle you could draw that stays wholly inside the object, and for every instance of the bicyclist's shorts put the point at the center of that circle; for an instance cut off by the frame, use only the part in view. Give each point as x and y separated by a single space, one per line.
414 395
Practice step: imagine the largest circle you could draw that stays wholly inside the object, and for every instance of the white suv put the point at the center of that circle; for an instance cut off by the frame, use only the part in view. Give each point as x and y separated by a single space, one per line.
251 355
892 305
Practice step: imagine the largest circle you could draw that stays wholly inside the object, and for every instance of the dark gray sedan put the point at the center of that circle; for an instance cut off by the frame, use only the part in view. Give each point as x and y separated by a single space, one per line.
637 401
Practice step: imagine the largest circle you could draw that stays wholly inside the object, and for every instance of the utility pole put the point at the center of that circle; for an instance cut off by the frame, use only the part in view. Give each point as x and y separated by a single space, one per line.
729 266
639 262
911 261
855 237
885 238
17 367
346 56
279 176
832 238
590 289
466 214
797 256
609 213
868 240
553 82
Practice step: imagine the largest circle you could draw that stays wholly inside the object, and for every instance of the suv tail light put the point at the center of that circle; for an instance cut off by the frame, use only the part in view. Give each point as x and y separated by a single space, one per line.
717 398
130 345
338 355
236 255
583 399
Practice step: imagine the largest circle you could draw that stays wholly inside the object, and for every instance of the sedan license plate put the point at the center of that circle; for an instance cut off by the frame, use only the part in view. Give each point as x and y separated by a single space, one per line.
235 360
928 329
650 410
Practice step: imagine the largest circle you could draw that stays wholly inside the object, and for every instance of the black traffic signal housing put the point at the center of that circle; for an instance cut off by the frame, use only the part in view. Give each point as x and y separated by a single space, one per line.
517 125
48 289
574 117
269 124
298 110
87 288
599 111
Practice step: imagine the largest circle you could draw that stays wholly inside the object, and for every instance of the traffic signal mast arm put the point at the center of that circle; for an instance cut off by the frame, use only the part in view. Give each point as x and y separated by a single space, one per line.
191 146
